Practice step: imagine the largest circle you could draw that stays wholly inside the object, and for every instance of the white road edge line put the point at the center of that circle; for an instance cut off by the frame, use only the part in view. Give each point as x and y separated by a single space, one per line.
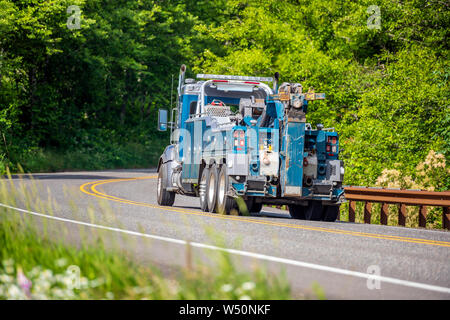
247 254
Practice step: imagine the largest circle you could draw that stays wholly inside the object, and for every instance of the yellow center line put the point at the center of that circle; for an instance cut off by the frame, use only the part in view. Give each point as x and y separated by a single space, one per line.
92 190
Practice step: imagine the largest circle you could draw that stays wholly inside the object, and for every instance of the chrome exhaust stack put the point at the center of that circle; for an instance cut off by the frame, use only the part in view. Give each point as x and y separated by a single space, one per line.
276 77
181 78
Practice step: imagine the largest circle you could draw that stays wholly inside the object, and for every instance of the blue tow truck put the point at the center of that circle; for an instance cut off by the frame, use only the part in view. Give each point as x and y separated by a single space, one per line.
235 138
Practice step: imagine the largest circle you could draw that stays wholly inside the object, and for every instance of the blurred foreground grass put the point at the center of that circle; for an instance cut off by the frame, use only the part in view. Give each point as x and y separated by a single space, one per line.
34 264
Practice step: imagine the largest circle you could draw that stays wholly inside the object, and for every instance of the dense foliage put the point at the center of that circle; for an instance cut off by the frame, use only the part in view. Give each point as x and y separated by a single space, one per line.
89 96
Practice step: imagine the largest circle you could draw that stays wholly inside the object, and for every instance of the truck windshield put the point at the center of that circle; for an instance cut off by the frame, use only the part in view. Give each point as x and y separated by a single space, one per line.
235 93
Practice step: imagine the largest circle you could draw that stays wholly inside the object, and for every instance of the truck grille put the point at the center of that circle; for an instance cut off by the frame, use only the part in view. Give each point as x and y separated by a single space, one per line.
218 111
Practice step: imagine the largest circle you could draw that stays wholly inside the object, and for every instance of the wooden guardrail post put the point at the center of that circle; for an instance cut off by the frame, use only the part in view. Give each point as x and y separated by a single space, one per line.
446 218
423 212
351 211
367 212
402 215
384 213
402 198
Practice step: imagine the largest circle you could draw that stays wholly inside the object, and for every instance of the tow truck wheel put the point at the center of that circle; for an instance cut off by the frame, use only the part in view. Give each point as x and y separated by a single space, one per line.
211 189
297 211
165 198
257 207
314 211
202 189
224 203
248 204
253 206
330 213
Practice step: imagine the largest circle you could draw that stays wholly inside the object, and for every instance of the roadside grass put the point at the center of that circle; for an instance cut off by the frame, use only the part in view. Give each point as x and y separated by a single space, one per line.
37 262
96 152
129 156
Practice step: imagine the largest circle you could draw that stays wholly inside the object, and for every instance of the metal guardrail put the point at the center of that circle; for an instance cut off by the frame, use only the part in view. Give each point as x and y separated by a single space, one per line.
403 198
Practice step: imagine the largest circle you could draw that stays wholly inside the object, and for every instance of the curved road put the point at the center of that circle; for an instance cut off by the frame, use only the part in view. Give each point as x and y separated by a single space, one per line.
349 261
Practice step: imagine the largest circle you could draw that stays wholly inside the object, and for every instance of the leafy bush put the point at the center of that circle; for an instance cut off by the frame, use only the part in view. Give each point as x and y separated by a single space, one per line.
432 174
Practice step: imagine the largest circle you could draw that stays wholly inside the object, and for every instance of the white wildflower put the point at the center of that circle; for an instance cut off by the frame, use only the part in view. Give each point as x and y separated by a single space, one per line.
226 288
8 262
96 282
40 296
247 286
68 282
61 262
46 274
110 295
58 278
58 293
68 294
35 272
84 283
41 287
9 269
14 293
4 278
142 290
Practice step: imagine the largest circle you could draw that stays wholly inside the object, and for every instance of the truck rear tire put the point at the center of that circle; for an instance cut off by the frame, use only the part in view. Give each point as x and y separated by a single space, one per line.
211 190
253 206
297 211
330 213
314 211
203 185
164 197
256 208
224 203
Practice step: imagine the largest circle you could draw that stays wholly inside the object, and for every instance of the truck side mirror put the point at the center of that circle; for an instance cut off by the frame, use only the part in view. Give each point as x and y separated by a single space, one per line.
162 119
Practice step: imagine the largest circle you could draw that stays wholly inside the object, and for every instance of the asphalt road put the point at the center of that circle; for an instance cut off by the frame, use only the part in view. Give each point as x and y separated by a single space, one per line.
340 256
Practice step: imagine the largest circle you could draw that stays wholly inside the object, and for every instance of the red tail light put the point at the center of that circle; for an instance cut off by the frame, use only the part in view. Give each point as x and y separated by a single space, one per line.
239 139
332 140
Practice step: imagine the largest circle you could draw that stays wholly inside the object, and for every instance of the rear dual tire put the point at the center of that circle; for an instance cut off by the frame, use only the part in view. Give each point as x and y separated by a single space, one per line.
224 204
253 206
331 213
213 190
